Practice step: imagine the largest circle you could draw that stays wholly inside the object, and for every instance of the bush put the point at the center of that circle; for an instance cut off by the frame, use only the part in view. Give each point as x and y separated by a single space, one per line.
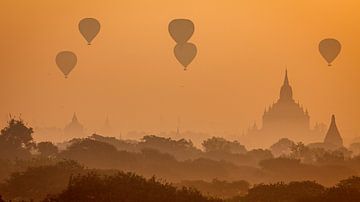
124 187
36 182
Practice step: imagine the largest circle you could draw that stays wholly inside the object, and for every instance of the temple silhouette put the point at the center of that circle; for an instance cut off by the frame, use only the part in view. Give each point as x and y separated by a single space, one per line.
107 128
74 128
286 119
332 140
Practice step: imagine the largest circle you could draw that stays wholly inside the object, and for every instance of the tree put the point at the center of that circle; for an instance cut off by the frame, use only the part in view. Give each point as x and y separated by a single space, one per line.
181 149
97 154
260 154
282 147
47 149
124 187
280 192
350 183
16 140
219 188
355 148
280 164
304 153
346 190
331 158
219 144
121 145
36 182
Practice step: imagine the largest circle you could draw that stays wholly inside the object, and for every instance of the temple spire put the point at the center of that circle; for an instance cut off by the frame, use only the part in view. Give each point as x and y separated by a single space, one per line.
255 127
178 126
333 137
74 119
286 80
107 121
107 129
286 93
74 128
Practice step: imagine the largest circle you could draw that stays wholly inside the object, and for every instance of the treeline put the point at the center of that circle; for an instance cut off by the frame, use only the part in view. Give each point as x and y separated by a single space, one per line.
179 160
347 190
69 181
133 188
38 181
160 156
221 169
125 187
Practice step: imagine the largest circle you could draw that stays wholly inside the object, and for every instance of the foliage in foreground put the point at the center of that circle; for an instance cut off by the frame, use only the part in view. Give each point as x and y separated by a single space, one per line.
219 188
124 187
68 181
36 182
346 190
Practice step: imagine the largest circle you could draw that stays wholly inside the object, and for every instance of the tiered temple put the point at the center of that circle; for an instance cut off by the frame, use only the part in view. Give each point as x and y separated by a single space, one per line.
286 115
285 118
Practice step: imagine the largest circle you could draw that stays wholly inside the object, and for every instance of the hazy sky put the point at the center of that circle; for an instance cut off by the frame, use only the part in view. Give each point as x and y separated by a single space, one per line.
131 75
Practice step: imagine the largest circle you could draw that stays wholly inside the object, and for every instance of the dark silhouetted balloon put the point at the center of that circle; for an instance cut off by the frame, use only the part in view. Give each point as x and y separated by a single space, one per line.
66 61
185 53
181 30
329 49
89 28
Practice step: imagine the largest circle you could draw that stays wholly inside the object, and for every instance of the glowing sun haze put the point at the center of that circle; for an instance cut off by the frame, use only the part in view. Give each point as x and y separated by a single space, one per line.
130 74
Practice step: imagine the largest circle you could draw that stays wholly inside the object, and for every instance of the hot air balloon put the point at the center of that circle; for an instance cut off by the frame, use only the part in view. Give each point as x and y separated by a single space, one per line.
329 49
181 30
89 28
185 53
66 61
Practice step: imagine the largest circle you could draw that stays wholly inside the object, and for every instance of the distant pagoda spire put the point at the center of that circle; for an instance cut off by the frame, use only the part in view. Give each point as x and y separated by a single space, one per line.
74 118
255 127
286 80
333 137
178 126
107 129
107 121
286 93
74 128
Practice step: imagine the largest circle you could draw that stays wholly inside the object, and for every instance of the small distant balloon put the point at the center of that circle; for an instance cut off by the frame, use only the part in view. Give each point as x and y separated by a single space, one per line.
181 30
185 53
89 29
66 61
329 49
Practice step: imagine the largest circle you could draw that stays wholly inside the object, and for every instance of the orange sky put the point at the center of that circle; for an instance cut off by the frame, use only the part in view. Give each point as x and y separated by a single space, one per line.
131 75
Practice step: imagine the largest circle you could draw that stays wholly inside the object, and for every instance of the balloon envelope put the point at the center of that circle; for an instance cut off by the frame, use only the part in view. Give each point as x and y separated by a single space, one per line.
89 28
181 30
329 49
66 61
185 53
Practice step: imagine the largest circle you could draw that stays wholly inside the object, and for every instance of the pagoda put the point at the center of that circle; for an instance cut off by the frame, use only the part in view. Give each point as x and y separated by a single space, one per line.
74 128
333 139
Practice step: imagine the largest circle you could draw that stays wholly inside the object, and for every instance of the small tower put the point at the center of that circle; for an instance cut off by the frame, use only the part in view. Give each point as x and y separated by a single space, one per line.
333 138
74 128
75 119
286 93
255 127
178 127
107 129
